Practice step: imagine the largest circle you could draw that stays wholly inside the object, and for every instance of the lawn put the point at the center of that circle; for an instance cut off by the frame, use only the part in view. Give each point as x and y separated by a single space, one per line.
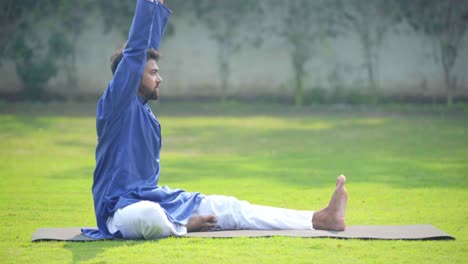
403 167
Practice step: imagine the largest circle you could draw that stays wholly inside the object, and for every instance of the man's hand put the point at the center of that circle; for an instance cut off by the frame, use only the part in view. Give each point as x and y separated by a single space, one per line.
162 1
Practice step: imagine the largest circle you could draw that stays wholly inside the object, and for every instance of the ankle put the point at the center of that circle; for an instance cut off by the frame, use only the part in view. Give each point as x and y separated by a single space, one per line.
318 218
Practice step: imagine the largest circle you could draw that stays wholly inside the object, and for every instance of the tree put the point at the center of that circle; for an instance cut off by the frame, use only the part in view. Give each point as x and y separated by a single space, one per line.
445 24
117 15
230 24
35 68
74 17
15 17
370 21
302 24
35 55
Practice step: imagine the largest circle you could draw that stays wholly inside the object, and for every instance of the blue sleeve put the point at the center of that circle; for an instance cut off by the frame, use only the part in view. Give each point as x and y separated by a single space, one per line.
159 23
150 18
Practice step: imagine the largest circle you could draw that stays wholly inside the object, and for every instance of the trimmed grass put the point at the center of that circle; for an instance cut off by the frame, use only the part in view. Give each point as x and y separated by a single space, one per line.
402 168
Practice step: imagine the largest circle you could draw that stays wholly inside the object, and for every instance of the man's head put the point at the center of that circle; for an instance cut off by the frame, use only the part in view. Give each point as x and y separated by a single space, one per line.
150 80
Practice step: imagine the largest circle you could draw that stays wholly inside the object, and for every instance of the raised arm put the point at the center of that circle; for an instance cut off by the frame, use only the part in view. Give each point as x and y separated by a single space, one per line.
159 23
146 30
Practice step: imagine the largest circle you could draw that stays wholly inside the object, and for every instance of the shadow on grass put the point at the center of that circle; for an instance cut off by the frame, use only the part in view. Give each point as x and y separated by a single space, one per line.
174 109
392 174
76 144
22 124
52 109
386 151
86 251
288 152
232 108
85 172
361 150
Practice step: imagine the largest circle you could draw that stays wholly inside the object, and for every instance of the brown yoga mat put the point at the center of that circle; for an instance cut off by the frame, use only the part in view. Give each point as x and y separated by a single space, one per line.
409 232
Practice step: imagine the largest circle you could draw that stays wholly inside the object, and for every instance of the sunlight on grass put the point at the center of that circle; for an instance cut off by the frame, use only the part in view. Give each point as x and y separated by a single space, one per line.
261 123
401 169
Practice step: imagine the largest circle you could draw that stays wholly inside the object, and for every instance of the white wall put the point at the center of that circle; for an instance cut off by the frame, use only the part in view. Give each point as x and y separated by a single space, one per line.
189 65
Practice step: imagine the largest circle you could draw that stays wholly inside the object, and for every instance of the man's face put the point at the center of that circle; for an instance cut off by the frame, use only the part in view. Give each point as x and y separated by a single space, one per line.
149 85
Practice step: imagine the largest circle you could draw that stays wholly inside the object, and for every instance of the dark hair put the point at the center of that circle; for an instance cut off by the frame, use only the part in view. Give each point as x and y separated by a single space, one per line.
118 55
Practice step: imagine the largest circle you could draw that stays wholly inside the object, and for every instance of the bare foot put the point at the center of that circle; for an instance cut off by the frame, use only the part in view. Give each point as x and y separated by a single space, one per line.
201 223
333 217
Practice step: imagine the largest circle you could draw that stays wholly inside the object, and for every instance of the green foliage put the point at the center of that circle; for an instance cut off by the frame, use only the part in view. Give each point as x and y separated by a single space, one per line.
402 169
117 15
58 46
445 23
357 97
302 24
232 25
226 19
370 21
320 95
316 95
37 51
35 75
37 66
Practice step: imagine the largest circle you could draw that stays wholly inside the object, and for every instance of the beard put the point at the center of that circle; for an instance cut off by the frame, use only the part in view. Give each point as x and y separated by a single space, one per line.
149 93
155 94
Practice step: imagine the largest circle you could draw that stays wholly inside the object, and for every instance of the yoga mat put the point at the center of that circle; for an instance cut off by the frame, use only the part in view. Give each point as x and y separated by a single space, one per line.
409 232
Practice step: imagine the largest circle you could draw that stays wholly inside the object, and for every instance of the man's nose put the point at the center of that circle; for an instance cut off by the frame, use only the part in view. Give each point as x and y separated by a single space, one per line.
160 79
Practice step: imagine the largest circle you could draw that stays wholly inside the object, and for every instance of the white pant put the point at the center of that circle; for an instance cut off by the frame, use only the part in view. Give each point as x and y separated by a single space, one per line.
147 220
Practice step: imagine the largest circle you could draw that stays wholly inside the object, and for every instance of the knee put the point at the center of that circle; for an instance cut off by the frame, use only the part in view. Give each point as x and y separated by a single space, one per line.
151 221
144 220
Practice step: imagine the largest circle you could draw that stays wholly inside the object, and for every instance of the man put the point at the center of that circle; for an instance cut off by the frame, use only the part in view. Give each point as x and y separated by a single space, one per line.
128 201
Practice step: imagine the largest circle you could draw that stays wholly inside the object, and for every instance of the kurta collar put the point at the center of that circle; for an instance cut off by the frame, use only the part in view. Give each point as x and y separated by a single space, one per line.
142 100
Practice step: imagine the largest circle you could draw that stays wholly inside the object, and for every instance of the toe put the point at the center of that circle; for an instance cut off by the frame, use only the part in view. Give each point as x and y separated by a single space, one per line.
341 180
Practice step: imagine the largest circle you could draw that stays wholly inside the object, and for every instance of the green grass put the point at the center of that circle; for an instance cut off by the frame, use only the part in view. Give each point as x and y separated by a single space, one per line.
405 167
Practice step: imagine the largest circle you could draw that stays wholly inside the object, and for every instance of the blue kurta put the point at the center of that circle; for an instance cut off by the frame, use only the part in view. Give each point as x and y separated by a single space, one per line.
129 135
